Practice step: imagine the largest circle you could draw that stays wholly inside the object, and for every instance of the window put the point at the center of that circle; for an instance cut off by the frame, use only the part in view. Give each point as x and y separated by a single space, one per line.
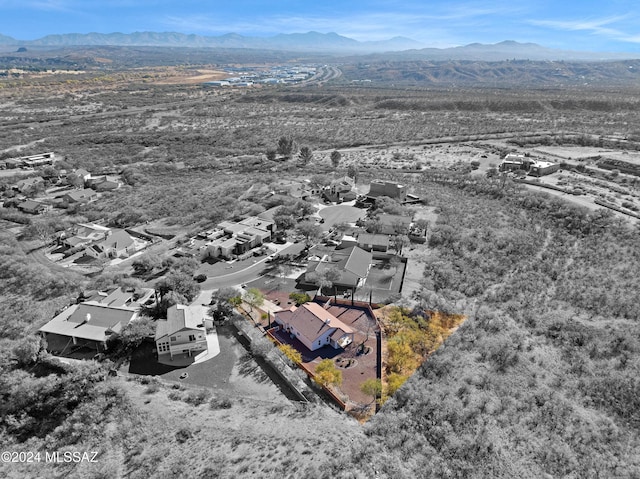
173 339
192 337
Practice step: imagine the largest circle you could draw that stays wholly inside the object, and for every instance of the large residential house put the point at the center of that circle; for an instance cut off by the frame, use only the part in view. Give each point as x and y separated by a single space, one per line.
93 322
118 244
238 238
182 333
315 327
387 188
29 185
83 234
390 224
103 183
34 207
80 174
33 161
341 189
373 242
79 196
352 263
519 162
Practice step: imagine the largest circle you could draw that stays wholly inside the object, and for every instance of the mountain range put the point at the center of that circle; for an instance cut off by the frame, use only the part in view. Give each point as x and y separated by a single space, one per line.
397 48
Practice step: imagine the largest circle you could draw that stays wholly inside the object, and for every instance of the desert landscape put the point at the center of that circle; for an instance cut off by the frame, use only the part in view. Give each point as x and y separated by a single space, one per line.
493 332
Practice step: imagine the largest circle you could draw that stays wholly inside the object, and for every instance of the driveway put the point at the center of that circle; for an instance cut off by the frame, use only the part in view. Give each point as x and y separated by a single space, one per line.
340 214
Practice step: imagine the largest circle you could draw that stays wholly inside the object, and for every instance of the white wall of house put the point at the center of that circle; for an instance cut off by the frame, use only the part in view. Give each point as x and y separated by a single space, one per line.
184 341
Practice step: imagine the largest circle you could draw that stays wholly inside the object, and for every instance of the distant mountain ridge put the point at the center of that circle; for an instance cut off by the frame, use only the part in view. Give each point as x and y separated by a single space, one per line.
397 48
310 41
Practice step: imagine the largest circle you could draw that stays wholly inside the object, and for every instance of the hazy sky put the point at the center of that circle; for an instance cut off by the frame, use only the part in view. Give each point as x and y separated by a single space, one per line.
597 25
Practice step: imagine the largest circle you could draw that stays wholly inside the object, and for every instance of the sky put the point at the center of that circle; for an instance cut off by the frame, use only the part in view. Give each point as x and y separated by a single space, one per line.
584 25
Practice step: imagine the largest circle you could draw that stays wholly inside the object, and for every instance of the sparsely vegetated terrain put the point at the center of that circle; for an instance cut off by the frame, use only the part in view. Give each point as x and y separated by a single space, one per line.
541 380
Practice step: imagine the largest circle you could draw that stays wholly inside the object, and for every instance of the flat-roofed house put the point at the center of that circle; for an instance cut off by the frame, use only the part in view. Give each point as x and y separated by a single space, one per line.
315 327
387 188
182 333
93 322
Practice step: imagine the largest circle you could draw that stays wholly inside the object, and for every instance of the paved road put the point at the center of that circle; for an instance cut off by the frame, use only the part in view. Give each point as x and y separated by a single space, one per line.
246 275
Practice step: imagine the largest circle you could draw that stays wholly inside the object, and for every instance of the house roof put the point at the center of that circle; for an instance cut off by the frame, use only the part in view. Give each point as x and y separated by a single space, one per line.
79 195
311 320
31 205
373 239
392 220
81 172
90 321
180 317
117 297
118 240
30 181
354 260
353 264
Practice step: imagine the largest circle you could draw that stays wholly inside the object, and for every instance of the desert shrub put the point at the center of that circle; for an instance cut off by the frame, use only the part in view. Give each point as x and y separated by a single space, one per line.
196 398
220 403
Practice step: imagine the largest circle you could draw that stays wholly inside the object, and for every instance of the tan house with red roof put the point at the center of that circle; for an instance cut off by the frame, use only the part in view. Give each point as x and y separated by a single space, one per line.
315 327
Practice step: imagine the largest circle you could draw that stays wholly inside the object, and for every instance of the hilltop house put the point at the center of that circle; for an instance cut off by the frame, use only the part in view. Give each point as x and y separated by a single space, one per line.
116 245
34 207
342 189
238 238
373 242
182 332
29 185
390 224
79 196
92 322
83 234
103 183
387 188
353 265
314 326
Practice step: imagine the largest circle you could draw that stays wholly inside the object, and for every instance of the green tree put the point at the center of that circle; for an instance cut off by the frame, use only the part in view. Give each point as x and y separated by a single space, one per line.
291 353
299 298
335 158
223 301
326 374
311 232
372 387
271 155
305 155
284 221
134 333
146 263
27 350
394 382
286 147
179 283
352 171
254 298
